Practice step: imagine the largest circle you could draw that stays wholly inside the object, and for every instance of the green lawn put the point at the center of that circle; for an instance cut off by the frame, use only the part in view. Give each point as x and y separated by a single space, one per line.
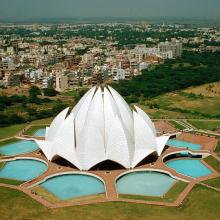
75 93
205 125
202 204
213 182
71 93
177 125
42 121
170 196
11 182
33 129
213 163
217 150
10 131
179 102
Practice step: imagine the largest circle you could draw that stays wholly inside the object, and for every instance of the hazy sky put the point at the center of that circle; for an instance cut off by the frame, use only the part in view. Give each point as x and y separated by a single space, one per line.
23 9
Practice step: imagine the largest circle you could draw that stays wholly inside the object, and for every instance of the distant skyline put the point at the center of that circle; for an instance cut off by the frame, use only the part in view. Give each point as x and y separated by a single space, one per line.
38 9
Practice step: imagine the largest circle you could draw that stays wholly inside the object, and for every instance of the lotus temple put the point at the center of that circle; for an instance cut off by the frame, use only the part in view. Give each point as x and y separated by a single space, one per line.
105 150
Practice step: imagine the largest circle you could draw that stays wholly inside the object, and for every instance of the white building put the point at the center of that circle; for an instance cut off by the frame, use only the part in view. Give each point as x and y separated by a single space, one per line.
7 63
166 55
102 127
142 66
118 74
46 82
10 50
174 46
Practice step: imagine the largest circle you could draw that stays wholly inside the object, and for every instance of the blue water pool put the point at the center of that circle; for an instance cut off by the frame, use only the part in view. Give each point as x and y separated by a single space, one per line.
18 147
183 144
40 132
144 183
22 169
189 167
73 185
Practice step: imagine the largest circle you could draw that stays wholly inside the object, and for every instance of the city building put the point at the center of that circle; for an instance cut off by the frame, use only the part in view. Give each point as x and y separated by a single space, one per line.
118 74
47 82
61 82
174 46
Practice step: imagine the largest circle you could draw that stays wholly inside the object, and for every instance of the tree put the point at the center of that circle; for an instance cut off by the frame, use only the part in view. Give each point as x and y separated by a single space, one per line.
15 119
50 92
34 91
165 79
58 107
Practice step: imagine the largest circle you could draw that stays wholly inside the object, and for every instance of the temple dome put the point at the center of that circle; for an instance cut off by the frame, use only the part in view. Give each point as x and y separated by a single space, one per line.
102 127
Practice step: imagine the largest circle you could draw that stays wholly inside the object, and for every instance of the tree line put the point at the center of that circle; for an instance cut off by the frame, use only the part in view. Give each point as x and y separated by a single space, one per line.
203 68
25 103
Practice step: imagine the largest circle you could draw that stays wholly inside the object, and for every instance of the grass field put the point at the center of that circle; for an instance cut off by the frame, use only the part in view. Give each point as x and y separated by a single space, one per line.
11 182
183 102
217 150
162 113
33 129
10 131
170 196
201 204
71 93
213 182
177 125
191 103
205 125
209 90
42 121
213 163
